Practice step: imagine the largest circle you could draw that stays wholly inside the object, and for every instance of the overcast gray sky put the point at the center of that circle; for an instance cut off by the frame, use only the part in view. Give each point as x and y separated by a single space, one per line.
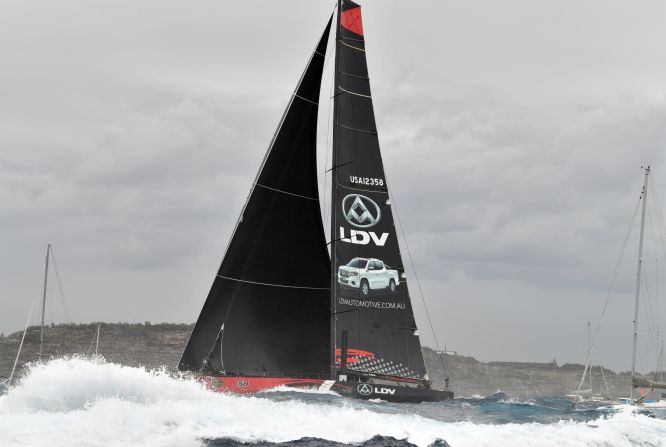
512 132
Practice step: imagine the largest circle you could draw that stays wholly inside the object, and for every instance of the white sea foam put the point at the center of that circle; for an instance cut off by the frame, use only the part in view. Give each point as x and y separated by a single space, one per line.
70 402
516 401
286 389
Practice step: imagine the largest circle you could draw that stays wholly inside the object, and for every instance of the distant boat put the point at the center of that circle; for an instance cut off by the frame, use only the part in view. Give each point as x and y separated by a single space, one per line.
49 255
588 395
661 403
280 312
638 382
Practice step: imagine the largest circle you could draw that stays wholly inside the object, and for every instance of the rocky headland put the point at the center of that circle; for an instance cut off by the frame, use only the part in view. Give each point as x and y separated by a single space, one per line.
160 345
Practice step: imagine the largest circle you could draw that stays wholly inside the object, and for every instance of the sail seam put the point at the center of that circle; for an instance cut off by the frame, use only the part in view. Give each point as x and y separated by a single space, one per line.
286 192
273 285
357 130
352 46
306 99
354 93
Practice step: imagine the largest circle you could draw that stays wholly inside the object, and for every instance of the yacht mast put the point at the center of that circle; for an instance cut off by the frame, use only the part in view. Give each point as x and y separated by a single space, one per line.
334 161
46 276
589 344
97 342
660 366
638 277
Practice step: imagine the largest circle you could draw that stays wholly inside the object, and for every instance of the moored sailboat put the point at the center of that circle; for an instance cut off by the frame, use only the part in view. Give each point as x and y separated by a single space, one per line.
637 382
281 311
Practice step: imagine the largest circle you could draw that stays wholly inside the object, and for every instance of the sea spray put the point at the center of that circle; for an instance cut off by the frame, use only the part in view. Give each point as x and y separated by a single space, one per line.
75 401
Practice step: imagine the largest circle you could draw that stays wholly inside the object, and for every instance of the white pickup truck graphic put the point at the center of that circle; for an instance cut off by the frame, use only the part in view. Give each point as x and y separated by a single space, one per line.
367 274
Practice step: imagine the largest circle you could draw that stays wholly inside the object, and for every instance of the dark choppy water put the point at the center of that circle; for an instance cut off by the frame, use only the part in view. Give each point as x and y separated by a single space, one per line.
71 402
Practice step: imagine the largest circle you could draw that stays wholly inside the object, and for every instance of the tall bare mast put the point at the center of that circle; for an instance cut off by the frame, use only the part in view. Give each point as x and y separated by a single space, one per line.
638 277
589 343
46 277
659 371
97 342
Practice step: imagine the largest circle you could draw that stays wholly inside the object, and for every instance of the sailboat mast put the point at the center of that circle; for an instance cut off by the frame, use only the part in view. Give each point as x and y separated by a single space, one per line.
46 276
334 163
97 342
638 277
589 343
660 365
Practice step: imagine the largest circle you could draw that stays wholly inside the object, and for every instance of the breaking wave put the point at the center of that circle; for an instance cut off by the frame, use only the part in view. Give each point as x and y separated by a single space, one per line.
75 401
289 390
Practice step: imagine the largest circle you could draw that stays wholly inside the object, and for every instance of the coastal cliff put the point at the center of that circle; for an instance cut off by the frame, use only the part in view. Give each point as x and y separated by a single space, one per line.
160 345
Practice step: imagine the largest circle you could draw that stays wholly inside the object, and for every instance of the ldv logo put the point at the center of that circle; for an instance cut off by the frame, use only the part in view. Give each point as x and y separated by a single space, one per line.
384 391
361 211
365 390
363 237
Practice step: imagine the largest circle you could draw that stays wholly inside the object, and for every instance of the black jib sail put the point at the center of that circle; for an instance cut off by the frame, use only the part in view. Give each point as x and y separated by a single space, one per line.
268 310
371 300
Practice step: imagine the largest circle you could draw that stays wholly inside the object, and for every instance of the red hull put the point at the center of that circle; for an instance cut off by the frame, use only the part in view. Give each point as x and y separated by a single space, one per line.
250 385
356 390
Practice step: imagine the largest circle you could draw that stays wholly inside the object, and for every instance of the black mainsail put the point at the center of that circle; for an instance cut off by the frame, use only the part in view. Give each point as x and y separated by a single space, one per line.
268 310
369 289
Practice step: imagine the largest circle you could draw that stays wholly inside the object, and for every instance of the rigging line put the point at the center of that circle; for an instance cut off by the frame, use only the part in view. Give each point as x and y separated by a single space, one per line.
660 215
418 282
341 165
288 193
603 376
272 285
91 344
607 300
647 305
62 294
659 219
50 308
25 330
656 370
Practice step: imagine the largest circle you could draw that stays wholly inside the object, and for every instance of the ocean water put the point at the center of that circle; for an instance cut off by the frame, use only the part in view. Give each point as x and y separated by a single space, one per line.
80 402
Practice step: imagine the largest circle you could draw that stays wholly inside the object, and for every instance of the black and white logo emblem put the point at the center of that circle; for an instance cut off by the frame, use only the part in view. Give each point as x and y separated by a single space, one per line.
361 211
364 389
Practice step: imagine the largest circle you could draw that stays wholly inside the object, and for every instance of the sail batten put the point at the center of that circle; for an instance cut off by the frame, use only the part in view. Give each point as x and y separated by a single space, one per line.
289 286
306 99
287 192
